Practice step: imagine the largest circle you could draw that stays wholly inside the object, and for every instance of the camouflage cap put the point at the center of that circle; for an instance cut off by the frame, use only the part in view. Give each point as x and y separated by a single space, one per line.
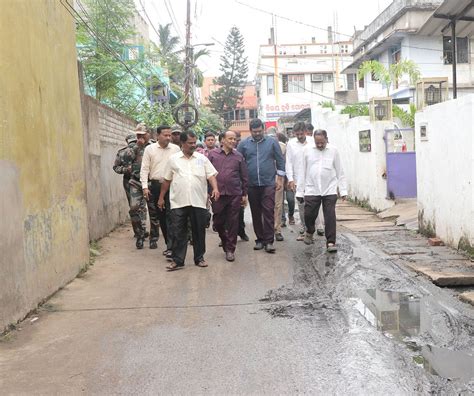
141 129
176 129
131 138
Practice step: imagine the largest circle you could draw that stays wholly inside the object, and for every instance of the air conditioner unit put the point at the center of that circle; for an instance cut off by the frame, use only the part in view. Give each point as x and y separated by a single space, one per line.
316 77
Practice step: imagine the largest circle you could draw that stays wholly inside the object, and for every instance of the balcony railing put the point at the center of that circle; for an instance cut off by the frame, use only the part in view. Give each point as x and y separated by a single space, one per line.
238 125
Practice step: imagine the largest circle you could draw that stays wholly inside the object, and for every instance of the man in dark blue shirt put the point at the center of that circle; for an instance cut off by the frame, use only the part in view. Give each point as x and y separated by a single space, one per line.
264 162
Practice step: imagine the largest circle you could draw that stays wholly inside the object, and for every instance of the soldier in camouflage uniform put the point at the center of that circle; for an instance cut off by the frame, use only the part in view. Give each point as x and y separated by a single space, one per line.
137 200
123 166
123 163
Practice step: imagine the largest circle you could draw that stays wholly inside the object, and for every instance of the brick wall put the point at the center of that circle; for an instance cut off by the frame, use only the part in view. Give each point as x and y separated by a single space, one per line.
113 126
105 130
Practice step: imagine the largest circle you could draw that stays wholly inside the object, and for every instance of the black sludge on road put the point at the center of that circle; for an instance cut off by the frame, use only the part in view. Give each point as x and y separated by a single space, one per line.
376 329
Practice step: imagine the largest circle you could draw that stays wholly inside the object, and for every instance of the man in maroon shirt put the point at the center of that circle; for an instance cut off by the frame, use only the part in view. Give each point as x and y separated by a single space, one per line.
232 181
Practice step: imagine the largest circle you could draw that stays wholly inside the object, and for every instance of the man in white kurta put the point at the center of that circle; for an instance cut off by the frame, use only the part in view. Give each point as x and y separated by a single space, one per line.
295 171
188 173
323 176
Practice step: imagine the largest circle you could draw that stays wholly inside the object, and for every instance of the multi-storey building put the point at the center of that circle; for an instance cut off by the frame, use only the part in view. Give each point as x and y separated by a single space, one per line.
236 119
401 32
292 76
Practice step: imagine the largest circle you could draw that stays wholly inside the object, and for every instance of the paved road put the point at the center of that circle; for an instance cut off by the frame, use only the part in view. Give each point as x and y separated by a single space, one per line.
299 321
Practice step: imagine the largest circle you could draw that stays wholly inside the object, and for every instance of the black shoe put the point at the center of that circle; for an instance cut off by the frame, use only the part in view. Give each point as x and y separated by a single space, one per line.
258 246
320 232
269 248
244 237
229 256
146 235
139 243
153 245
279 237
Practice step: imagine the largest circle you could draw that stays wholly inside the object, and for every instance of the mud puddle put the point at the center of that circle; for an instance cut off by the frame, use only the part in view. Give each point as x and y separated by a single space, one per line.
408 319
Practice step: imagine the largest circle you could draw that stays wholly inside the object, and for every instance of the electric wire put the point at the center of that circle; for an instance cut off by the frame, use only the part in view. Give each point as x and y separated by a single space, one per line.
173 21
146 64
68 8
324 29
149 19
106 46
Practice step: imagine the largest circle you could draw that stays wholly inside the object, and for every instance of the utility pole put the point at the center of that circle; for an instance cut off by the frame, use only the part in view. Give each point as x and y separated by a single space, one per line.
187 114
189 60
455 61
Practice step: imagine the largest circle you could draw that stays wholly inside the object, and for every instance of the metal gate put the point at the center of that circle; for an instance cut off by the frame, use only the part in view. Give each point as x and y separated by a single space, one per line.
401 163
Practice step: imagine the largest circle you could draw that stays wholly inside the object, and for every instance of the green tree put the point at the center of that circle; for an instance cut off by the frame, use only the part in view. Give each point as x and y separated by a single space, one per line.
327 104
171 57
208 121
167 42
98 50
406 117
198 75
391 75
234 74
154 114
356 110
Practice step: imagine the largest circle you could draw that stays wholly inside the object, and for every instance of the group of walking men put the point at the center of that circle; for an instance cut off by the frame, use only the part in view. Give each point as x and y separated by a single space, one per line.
180 183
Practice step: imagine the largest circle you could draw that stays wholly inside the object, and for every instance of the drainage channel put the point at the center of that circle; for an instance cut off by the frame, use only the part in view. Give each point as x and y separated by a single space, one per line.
404 317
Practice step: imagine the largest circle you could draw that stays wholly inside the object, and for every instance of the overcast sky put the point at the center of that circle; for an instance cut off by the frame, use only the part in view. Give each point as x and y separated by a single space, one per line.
212 20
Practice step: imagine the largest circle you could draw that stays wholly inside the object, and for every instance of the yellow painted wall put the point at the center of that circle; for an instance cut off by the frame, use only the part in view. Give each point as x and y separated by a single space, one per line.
43 215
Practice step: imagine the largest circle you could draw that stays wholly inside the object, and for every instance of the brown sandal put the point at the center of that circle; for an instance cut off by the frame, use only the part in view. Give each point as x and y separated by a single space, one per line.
202 264
174 267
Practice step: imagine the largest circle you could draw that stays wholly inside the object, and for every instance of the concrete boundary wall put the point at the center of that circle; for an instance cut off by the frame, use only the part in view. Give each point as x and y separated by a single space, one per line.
43 211
364 170
105 130
445 171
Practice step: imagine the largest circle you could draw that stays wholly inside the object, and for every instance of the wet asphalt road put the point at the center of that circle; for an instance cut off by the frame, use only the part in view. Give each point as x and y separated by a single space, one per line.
299 321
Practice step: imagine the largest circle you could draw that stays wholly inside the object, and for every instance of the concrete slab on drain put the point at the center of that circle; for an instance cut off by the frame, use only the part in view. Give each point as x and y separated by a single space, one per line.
445 278
416 243
405 250
369 225
385 230
435 256
352 217
467 297
438 265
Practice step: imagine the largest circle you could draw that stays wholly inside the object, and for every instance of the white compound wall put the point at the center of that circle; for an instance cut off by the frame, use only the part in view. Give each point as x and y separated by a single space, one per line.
445 170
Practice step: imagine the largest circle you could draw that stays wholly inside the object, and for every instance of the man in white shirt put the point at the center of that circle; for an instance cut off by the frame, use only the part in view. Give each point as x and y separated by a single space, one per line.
152 175
295 170
188 173
323 175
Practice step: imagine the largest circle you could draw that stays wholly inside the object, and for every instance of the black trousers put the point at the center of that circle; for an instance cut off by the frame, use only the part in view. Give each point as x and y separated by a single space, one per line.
241 231
262 206
198 219
311 210
158 217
